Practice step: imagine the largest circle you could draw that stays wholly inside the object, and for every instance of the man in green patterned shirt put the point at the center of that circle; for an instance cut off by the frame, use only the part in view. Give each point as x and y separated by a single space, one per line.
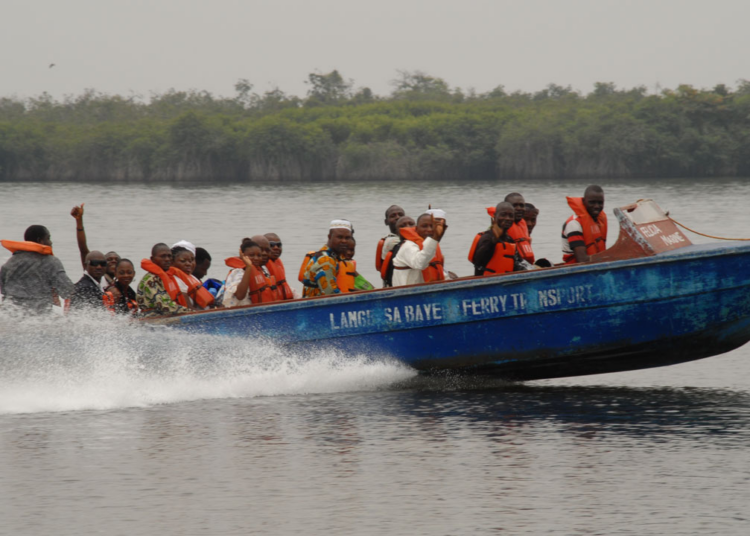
153 296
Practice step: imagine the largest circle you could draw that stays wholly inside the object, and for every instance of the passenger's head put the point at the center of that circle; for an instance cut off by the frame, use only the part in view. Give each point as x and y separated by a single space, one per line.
202 263
349 255
275 242
124 272
519 205
405 221
340 236
593 200
161 256
505 214
96 264
112 259
183 259
392 214
530 216
425 227
39 234
254 252
265 246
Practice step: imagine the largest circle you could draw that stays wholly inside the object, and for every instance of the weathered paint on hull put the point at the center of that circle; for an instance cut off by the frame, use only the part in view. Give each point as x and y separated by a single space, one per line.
623 315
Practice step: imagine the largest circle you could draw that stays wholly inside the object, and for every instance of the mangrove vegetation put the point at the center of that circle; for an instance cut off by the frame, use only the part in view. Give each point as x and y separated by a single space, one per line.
423 130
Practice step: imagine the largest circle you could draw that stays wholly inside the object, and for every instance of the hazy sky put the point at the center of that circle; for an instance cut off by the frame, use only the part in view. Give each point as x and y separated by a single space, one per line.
142 46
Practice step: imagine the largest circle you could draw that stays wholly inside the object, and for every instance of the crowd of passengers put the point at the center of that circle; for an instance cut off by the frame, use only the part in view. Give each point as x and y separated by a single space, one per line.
33 279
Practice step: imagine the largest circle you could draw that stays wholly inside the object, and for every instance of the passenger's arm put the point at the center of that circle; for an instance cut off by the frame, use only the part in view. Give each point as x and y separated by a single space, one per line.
244 283
413 257
62 284
77 213
580 254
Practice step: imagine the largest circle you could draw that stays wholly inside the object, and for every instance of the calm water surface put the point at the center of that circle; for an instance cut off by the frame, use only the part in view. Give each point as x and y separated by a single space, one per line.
230 437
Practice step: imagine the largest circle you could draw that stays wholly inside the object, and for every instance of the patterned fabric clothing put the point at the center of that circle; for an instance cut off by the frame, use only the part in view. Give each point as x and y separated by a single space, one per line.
154 300
320 274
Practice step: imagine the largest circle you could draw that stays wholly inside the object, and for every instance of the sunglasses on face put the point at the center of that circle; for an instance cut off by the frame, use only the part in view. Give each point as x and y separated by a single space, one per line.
275 244
97 263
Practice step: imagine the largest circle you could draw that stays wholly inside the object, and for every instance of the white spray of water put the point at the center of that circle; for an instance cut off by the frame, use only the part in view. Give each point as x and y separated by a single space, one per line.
101 362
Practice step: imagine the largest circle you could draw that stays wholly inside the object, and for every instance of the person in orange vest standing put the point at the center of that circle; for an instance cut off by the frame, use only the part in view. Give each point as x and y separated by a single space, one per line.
33 275
519 231
494 251
585 232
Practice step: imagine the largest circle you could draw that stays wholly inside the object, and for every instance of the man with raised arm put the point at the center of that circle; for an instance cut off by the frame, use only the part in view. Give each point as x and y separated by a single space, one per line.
585 232
495 251
325 271
111 257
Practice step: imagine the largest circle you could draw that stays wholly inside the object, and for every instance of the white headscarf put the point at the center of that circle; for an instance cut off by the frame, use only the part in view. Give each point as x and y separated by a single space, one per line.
436 212
185 244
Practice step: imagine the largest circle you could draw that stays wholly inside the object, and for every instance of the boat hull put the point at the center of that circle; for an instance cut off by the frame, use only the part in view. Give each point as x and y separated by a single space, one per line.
588 319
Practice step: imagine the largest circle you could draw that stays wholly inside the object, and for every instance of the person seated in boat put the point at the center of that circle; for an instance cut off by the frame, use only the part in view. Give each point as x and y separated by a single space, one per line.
246 284
385 244
158 293
530 215
33 276
494 251
119 298
585 232
202 263
88 290
183 264
276 267
111 257
519 231
324 272
418 259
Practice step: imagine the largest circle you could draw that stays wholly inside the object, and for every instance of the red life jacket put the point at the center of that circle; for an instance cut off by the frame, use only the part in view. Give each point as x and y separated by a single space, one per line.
434 272
502 260
277 270
519 232
167 279
200 295
594 231
262 289
34 247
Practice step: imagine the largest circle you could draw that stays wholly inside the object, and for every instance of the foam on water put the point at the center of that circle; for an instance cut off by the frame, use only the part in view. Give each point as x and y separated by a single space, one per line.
101 362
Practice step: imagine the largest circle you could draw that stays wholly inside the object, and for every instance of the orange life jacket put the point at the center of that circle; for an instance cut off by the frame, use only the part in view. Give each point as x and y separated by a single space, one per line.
345 275
278 271
519 232
109 302
379 254
262 289
434 272
594 231
502 260
13 246
200 295
167 278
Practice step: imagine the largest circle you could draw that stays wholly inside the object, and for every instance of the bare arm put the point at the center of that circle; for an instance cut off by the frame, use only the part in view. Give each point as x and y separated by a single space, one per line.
244 284
77 213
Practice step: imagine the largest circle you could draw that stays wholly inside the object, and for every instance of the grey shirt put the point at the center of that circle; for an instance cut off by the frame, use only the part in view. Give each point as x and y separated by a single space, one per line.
28 279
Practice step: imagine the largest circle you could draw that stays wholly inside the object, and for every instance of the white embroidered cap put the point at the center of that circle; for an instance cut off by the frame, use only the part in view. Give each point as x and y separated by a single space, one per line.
439 214
185 244
341 224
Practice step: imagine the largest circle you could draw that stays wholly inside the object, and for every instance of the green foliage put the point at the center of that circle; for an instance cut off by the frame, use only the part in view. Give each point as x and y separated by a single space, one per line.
424 130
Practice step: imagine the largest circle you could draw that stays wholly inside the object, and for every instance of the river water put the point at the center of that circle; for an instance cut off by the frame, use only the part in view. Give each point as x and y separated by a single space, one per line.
264 442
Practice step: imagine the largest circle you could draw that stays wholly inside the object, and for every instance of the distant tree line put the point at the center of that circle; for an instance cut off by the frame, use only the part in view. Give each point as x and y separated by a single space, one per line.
422 130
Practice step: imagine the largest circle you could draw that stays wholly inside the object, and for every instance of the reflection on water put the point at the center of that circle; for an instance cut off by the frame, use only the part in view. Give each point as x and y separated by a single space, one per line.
110 428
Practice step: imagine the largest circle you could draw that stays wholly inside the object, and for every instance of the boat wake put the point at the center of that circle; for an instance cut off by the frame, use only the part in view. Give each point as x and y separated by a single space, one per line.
100 362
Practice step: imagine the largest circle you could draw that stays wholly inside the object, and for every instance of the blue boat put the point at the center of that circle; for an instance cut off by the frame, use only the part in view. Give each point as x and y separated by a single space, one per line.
653 299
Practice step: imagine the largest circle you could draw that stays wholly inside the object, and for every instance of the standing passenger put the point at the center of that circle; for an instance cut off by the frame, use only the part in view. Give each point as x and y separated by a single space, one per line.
32 275
585 232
